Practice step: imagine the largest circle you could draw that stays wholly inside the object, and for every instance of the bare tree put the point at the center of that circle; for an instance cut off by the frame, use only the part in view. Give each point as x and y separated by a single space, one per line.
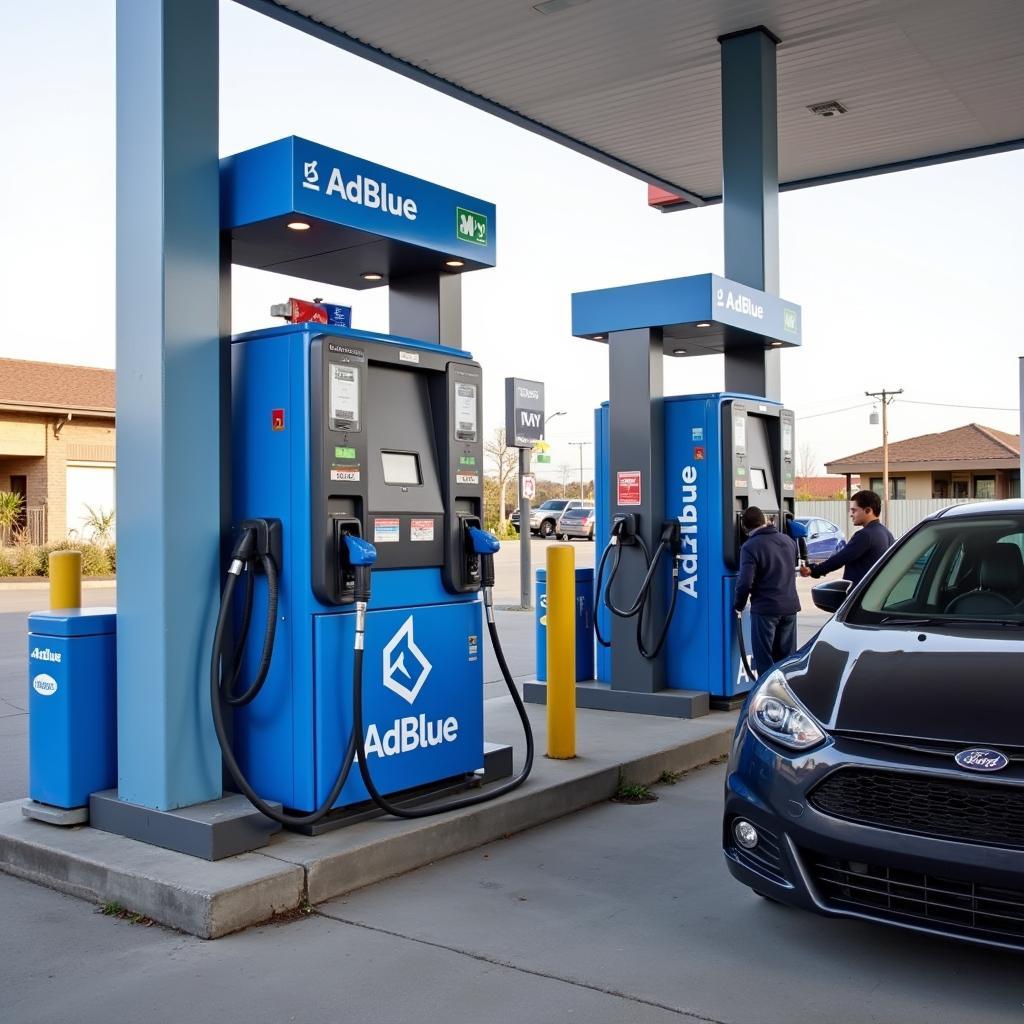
506 461
566 470
807 461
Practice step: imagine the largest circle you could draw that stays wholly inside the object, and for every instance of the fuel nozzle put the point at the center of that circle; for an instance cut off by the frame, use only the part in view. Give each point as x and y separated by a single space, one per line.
361 555
485 545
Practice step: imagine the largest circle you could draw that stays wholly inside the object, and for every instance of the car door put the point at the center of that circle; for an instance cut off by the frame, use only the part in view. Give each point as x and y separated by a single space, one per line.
817 541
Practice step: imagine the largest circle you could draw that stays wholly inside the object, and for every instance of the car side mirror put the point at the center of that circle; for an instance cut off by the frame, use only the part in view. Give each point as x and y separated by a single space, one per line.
830 596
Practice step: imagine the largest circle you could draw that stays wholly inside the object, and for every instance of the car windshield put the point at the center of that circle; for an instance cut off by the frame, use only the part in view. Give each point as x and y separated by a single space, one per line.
554 505
955 570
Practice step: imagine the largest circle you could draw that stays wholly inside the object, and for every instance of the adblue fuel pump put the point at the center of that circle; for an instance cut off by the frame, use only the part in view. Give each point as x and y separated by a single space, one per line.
357 450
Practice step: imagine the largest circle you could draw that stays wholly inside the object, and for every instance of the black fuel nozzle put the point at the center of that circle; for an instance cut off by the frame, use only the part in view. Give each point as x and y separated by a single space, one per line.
624 527
485 545
258 539
671 536
361 556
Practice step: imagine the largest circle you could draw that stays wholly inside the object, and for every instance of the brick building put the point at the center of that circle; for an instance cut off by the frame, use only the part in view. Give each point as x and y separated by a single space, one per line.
967 462
56 443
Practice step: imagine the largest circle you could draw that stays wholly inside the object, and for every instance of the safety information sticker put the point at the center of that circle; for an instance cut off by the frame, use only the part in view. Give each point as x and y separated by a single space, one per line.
385 531
421 529
348 473
628 488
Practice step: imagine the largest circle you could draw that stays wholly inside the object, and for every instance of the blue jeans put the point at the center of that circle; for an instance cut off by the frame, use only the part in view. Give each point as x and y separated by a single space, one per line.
773 638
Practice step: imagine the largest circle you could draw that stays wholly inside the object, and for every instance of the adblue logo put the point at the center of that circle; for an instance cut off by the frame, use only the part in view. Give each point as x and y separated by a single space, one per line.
360 190
45 654
395 668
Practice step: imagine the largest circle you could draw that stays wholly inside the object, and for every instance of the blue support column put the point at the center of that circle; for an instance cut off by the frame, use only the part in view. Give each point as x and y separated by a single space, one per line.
750 190
168 398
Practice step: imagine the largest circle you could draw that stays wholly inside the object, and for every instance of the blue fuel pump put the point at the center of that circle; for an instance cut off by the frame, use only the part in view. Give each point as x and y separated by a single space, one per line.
378 468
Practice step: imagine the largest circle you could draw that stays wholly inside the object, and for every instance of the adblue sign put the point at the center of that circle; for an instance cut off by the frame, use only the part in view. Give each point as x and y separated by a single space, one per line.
524 412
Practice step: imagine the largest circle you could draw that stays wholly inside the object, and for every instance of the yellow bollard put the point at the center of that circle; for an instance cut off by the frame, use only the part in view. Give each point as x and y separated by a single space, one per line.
65 579
561 664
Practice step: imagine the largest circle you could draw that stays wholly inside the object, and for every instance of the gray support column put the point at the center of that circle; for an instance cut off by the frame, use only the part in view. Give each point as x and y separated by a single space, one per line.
168 398
427 307
750 190
637 444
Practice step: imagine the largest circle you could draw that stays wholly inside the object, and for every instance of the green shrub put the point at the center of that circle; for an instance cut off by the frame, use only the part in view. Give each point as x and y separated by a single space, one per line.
6 562
112 555
28 560
95 560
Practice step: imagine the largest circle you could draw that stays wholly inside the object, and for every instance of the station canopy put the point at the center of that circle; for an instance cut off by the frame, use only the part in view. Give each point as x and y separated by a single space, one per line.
636 83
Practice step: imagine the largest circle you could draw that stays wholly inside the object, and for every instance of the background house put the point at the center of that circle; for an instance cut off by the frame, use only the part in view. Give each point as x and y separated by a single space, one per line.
968 462
56 443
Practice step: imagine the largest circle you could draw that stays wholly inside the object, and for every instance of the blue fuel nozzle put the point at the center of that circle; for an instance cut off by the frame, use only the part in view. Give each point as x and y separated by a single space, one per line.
796 530
361 555
360 552
484 543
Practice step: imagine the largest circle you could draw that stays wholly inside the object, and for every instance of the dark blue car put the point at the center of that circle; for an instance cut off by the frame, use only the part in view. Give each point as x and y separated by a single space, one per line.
878 773
824 539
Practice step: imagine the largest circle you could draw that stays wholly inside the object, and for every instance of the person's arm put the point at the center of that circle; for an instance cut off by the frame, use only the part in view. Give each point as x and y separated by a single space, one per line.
746 577
855 547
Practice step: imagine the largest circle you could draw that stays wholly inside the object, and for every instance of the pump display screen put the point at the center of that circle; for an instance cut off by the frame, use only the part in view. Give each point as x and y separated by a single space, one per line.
401 467
465 412
344 396
757 480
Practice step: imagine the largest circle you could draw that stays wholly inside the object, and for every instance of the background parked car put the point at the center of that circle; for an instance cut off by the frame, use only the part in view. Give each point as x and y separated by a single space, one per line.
577 522
824 539
544 518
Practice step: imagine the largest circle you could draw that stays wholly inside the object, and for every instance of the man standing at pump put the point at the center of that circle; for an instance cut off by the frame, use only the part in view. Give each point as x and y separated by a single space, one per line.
864 548
768 577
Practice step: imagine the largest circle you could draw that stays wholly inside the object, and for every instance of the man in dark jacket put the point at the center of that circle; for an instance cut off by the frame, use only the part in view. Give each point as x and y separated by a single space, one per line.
768 576
864 548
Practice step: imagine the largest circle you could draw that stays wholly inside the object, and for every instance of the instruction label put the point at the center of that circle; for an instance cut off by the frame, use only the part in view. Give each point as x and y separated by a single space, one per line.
421 529
348 474
386 531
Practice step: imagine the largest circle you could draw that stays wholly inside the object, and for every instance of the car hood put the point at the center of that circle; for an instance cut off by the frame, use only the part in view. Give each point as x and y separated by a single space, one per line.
951 684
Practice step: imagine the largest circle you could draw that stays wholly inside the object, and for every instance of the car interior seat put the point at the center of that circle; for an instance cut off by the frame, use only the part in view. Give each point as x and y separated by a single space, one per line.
1000 583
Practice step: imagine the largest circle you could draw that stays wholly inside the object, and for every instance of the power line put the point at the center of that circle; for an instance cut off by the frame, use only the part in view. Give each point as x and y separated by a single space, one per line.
952 405
834 412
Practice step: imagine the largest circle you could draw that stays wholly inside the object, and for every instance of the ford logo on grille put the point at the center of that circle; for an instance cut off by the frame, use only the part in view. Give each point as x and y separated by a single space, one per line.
981 760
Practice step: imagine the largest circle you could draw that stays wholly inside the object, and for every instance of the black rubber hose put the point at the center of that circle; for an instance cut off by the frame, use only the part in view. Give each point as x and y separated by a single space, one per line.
243 632
217 699
597 593
663 635
269 633
645 586
452 805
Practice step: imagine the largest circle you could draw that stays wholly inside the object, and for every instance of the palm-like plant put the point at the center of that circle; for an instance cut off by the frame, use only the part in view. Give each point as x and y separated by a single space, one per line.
10 512
100 522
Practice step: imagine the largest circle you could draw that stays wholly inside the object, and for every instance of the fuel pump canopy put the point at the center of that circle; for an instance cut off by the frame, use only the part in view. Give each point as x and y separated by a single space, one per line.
298 208
700 315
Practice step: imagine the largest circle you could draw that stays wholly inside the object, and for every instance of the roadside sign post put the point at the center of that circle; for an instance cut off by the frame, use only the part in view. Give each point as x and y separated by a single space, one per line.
524 426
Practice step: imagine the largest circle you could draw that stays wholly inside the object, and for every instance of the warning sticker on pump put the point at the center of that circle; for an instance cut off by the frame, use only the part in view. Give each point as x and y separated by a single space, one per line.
385 531
628 489
421 529
467 478
474 647
348 473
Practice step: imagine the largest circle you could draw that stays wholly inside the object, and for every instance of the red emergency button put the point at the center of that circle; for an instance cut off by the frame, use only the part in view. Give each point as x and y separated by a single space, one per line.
277 419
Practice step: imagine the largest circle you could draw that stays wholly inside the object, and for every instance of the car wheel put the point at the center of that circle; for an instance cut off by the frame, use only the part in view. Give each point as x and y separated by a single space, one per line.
547 528
590 536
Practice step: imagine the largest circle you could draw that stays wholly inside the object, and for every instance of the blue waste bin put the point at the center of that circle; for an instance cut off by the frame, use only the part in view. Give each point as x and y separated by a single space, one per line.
584 623
72 704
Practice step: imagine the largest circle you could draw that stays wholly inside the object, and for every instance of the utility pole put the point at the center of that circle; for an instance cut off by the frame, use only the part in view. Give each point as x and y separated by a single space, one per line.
580 444
885 397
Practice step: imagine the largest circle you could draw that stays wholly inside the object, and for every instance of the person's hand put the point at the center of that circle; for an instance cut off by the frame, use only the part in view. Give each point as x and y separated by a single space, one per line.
805 571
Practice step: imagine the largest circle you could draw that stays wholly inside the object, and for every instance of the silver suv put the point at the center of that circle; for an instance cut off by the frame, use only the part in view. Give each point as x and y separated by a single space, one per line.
544 518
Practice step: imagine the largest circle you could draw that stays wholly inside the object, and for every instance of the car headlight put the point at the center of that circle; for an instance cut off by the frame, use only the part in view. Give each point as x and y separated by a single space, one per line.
777 715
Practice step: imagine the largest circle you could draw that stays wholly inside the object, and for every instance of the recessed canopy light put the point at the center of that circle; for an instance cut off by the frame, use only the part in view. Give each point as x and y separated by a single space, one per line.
372 275
597 337
454 263
776 344
679 351
298 225
704 323
830 108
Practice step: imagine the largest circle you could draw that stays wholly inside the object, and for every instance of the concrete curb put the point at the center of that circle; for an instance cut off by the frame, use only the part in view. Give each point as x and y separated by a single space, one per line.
211 899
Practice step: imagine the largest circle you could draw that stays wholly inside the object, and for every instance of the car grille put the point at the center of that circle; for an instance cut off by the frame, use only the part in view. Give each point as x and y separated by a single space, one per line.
765 858
941 904
971 812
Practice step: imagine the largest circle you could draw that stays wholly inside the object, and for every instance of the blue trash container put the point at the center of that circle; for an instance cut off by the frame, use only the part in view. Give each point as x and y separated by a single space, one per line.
584 624
72 704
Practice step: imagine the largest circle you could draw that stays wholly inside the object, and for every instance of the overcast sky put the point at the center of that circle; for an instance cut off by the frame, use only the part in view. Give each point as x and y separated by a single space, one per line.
909 280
